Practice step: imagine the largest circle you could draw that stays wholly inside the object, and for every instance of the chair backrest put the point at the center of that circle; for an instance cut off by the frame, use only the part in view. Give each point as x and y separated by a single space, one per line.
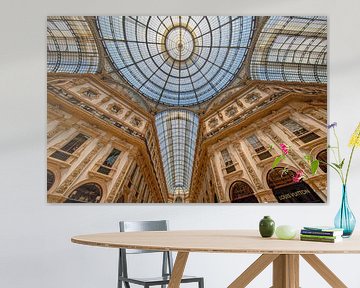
137 226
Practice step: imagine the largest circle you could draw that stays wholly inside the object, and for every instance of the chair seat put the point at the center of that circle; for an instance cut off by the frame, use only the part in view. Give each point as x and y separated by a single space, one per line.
158 280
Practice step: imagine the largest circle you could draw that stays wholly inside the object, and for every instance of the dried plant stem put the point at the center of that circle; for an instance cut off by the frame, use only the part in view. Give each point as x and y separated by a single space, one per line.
351 156
336 169
340 171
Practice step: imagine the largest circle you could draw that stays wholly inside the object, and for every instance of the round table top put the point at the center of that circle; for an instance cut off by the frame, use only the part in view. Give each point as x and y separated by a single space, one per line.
220 241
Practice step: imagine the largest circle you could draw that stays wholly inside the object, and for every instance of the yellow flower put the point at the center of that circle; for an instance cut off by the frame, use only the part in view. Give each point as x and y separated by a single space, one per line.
355 138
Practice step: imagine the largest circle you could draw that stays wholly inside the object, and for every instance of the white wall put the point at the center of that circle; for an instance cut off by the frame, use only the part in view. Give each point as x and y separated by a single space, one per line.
35 248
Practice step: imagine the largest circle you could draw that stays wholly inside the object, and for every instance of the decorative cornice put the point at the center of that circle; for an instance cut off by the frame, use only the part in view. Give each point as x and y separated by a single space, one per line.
86 108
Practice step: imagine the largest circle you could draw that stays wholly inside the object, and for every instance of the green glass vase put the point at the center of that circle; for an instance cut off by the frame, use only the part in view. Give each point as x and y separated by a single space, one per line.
266 227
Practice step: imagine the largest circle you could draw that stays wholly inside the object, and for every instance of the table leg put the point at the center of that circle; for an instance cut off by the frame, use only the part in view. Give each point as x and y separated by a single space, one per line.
286 271
324 271
178 270
253 270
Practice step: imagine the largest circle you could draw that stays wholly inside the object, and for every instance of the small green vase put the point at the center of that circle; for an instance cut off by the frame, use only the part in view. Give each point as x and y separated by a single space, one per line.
267 227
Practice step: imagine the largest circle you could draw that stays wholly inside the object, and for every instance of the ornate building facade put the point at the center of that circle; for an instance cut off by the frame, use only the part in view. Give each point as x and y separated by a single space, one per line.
182 109
100 141
240 141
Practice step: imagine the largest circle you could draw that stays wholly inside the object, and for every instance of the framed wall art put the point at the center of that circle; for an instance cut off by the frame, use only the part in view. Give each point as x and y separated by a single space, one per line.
186 109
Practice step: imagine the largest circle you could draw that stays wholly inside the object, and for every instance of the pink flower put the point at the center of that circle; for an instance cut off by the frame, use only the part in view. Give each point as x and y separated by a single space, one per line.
284 148
298 176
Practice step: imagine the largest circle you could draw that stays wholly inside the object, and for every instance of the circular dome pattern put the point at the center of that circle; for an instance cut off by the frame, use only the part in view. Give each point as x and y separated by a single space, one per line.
177 60
179 43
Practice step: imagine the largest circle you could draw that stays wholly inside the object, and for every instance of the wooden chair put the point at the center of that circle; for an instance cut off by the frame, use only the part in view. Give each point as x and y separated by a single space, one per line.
167 262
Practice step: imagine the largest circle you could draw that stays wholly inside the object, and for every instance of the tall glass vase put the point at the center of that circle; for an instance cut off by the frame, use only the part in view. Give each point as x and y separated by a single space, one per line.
345 219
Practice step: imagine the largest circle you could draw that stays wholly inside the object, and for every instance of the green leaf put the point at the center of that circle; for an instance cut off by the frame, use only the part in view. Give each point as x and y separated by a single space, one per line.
342 164
314 166
336 165
277 161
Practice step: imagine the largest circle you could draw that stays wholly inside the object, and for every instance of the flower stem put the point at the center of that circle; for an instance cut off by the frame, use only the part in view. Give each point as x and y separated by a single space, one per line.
336 159
336 169
348 167
337 144
350 159
340 159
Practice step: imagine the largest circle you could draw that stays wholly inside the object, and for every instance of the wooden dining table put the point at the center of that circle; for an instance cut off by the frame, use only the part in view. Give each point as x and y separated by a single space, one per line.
284 254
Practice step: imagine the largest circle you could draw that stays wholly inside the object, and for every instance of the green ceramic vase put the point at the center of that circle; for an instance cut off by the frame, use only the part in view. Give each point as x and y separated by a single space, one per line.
266 227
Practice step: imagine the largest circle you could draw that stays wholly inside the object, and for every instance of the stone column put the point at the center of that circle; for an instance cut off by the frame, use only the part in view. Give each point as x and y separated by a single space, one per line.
115 190
77 171
141 193
219 188
254 177
146 194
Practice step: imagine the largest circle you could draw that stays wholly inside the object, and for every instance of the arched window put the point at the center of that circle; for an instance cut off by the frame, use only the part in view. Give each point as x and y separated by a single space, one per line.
322 157
86 193
276 178
287 191
50 179
241 192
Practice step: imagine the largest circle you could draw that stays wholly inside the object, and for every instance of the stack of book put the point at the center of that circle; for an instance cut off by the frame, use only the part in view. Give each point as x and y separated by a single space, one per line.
321 234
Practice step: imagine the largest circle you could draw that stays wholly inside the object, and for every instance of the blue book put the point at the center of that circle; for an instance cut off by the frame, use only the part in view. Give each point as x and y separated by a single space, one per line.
322 231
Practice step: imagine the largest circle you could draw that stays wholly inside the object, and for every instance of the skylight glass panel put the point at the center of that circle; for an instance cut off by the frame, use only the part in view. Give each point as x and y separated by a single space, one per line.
291 49
177 131
71 46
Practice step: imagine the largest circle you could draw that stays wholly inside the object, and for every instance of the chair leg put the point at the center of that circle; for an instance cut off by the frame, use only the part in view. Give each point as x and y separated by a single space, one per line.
201 283
164 266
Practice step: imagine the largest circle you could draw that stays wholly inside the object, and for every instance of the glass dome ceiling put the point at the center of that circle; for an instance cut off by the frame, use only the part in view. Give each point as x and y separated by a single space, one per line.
177 60
177 132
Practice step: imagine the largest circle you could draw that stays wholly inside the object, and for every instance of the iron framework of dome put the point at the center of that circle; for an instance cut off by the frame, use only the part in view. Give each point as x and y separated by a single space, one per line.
71 47
291 48
177 60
